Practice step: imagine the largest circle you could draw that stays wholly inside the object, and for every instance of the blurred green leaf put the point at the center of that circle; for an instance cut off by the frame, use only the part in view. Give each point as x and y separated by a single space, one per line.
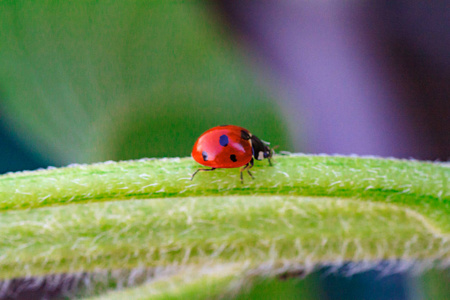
435 284
86 81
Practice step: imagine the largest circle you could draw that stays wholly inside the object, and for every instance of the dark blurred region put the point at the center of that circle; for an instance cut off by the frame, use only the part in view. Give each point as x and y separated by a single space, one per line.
368 285
364 77
15 156
414 38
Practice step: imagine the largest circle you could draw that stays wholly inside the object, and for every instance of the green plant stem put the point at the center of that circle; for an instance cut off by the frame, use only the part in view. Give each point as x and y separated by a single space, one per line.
412 183
305 210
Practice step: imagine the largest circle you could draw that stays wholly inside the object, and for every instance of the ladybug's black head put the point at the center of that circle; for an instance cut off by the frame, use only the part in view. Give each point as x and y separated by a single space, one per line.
260 149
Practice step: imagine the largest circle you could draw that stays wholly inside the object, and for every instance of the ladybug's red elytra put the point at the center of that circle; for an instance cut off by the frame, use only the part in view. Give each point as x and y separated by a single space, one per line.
229 146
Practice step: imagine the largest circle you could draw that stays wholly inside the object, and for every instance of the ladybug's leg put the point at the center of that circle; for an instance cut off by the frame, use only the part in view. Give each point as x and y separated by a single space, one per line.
271 153
247 167
242 176
202 170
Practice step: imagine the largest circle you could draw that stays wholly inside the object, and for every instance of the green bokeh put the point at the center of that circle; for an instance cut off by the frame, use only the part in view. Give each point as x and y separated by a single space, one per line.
85 81
290 288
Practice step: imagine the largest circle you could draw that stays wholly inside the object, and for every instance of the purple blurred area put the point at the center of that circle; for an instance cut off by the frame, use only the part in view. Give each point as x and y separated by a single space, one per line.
354 77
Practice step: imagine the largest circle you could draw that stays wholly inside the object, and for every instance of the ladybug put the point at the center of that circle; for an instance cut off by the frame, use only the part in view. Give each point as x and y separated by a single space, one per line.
229 146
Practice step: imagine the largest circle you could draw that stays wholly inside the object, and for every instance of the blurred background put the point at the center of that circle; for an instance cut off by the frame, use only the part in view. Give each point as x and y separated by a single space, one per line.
88 81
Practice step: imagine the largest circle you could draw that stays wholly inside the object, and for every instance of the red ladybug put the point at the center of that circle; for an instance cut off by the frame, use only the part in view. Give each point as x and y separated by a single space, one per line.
229 146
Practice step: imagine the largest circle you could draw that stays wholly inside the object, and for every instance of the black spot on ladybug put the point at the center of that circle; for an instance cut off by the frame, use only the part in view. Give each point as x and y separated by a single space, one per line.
205 156
233 158
245 135
223 140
